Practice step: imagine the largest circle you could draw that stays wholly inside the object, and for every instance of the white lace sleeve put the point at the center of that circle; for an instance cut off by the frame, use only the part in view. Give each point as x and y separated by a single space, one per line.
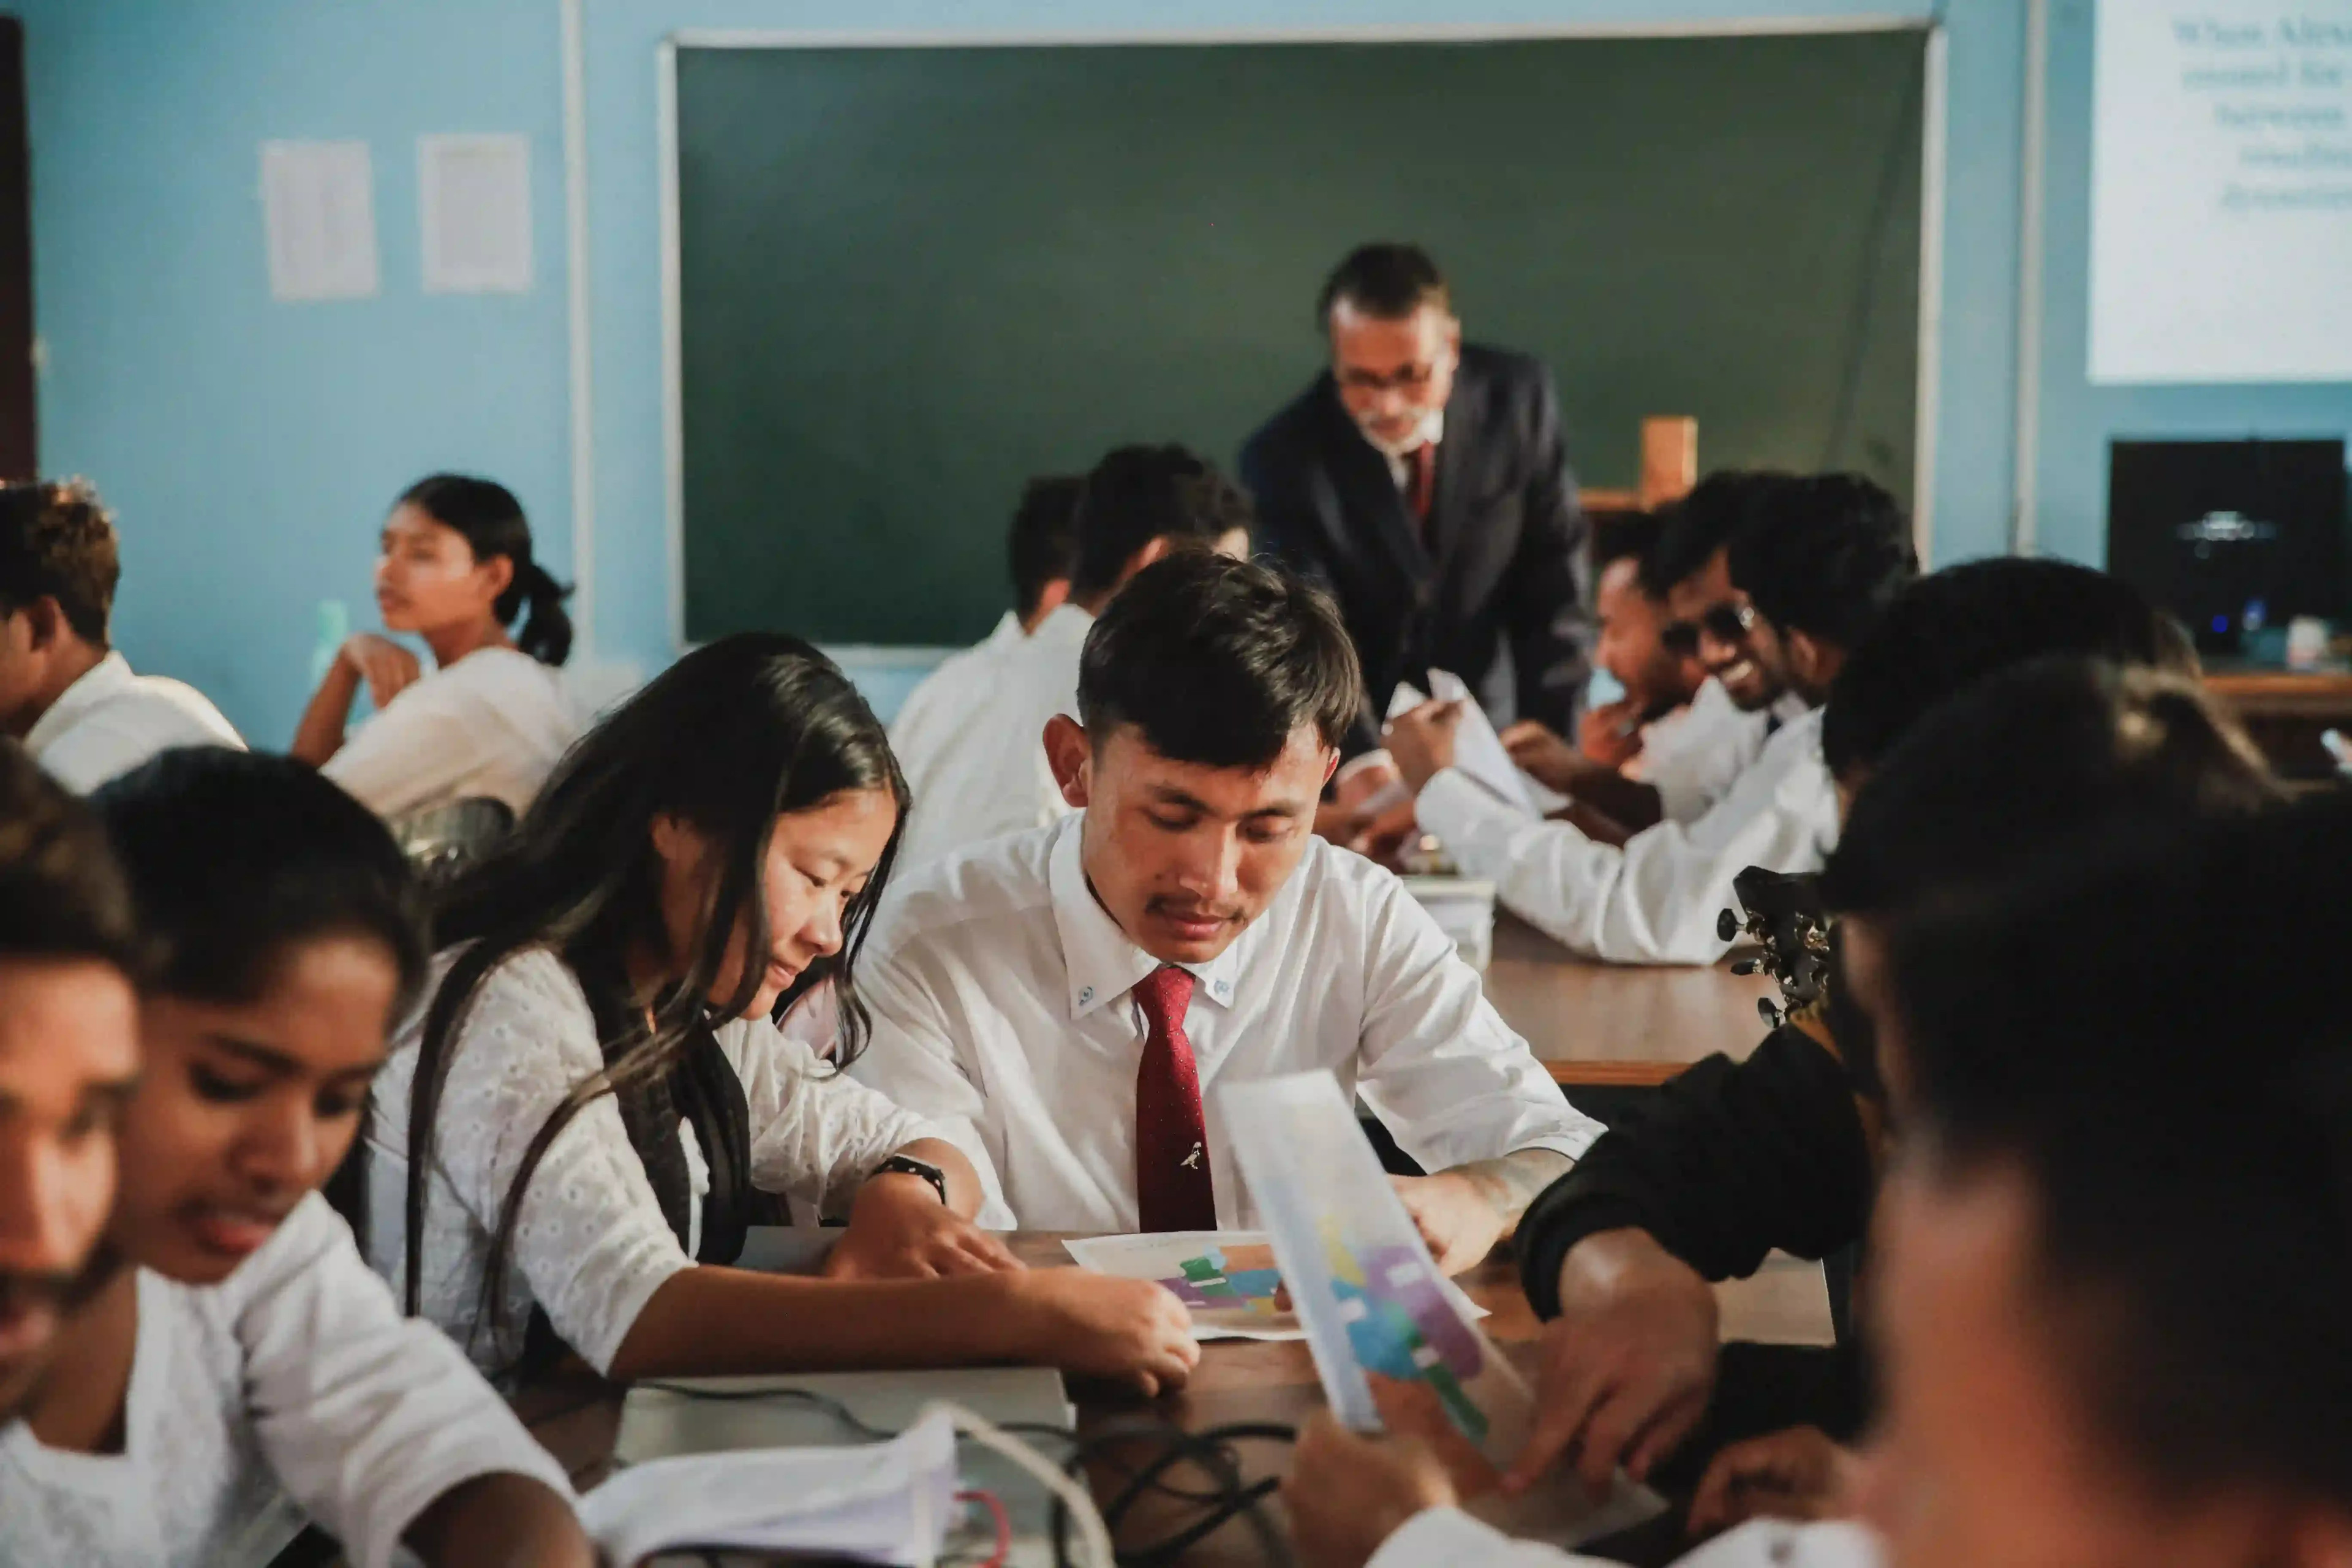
590 1242
816 1135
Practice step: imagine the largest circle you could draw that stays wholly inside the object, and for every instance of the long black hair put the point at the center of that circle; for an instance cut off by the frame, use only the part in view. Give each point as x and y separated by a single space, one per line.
733 736
493 524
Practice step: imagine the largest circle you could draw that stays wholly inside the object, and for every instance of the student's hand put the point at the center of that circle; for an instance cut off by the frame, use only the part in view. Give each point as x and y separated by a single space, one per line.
1628 1367
1099 1326
1346 1493
1360 783
1457 1222
899 1229
1798 1474
1386 837
1422 742
1609 736
1554 763
388 668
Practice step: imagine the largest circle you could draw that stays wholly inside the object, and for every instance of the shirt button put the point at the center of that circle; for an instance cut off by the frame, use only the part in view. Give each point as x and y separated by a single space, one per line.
1085 996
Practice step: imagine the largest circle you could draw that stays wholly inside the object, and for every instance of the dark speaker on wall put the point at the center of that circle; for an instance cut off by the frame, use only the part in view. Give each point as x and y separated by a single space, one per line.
2231 536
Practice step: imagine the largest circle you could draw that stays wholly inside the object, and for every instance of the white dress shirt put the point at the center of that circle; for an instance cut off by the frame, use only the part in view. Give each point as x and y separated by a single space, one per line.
1448 1538
591 1245
1000 991
1694 755
1656 900
110 721
493 724
936 729
293 1387
1430 432
990 777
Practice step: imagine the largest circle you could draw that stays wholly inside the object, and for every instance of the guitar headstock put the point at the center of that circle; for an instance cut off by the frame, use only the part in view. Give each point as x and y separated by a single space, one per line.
1784 918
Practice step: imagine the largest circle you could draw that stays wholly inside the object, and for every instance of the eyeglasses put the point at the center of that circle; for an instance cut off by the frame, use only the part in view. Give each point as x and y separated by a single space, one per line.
1404 378
1724 622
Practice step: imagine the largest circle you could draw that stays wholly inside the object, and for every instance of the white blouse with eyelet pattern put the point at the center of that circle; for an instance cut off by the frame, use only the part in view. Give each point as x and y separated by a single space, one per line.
591 1245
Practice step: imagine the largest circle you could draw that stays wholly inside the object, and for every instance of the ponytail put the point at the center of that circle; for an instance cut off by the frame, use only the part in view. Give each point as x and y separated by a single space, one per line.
546 630
491 519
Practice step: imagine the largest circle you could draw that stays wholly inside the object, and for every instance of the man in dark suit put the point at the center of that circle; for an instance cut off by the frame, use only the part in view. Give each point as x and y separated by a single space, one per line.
1422 481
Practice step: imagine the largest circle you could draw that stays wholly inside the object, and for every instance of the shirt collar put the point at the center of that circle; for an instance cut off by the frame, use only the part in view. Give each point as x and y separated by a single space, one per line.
1101 962
1430 432
1007 633
1066 627
106 678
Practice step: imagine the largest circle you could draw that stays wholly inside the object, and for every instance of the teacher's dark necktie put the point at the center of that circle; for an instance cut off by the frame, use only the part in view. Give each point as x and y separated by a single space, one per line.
1173 1188
1420 481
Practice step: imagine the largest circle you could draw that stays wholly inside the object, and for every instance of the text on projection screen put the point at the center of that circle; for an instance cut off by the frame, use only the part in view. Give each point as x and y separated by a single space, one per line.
2222 192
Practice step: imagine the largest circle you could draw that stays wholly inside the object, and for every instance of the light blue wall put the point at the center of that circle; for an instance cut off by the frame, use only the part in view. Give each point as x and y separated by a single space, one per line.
2077 418
251 447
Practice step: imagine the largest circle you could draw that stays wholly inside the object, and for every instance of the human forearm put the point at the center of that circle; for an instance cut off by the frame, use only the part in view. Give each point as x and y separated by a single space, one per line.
1509 1184
1635 805
319 735
965 1193
500 1521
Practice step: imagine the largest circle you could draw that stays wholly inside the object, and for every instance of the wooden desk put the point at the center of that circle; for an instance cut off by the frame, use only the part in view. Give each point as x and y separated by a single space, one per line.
2286 710
1605 1023
577 1415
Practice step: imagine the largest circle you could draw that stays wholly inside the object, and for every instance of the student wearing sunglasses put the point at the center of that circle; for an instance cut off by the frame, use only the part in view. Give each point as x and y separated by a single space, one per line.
1811 566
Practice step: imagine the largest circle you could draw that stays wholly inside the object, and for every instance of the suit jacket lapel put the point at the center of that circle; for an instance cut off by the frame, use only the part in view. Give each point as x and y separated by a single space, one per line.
1366 490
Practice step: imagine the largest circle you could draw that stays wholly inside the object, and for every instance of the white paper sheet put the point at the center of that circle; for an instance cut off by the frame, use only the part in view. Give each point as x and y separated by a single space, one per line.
879 1502
1225 1277
474 196
317 212
1478 751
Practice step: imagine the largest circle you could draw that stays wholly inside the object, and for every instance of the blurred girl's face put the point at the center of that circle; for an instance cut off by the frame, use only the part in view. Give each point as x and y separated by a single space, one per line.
242 1110
427 577
817 862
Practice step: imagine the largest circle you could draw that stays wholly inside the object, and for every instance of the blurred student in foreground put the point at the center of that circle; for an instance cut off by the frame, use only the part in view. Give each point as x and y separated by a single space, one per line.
2112 1249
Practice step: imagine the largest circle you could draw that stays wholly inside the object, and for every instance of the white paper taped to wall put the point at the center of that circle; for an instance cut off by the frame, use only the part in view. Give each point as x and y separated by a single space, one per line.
474 199
318 214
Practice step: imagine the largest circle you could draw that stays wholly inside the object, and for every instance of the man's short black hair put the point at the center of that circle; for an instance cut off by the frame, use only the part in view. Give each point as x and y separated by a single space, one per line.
2023 759
1824 554
56 541
1139 494
1952 628
1044 545
235 858
1623 536
1219 662
1385 281
63 898
1692 529
2150 1031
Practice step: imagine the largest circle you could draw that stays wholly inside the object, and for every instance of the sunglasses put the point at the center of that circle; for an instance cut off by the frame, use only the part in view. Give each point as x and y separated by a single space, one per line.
1724 622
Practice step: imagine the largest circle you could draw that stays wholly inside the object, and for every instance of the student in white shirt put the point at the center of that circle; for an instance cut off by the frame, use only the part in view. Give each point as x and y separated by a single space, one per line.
1691 760
565 1149
494 715
1137 505
236 1366
1068 1001
72 699
68 1055
934 728
2110 1283
1810 571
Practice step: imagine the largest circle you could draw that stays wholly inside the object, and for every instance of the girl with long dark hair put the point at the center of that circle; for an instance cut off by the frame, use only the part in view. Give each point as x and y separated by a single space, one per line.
566 1146
493 715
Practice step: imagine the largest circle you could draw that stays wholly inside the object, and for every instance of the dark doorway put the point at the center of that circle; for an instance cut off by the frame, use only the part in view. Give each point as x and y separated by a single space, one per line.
19 451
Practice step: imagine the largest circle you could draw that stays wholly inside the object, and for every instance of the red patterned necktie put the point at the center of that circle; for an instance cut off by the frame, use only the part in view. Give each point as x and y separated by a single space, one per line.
1174 1190
1423 461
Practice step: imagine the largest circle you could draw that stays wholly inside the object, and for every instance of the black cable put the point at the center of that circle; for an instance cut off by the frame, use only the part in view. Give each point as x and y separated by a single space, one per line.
1211 1449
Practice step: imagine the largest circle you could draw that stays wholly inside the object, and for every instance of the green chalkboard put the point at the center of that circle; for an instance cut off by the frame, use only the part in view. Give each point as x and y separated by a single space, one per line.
912 276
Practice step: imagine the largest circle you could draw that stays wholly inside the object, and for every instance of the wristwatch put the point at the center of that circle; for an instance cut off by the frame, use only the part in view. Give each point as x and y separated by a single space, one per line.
901 1165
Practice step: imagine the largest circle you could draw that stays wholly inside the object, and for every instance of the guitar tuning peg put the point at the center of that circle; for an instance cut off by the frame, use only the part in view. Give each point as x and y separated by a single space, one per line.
1745 967
1727 926
1773 1017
